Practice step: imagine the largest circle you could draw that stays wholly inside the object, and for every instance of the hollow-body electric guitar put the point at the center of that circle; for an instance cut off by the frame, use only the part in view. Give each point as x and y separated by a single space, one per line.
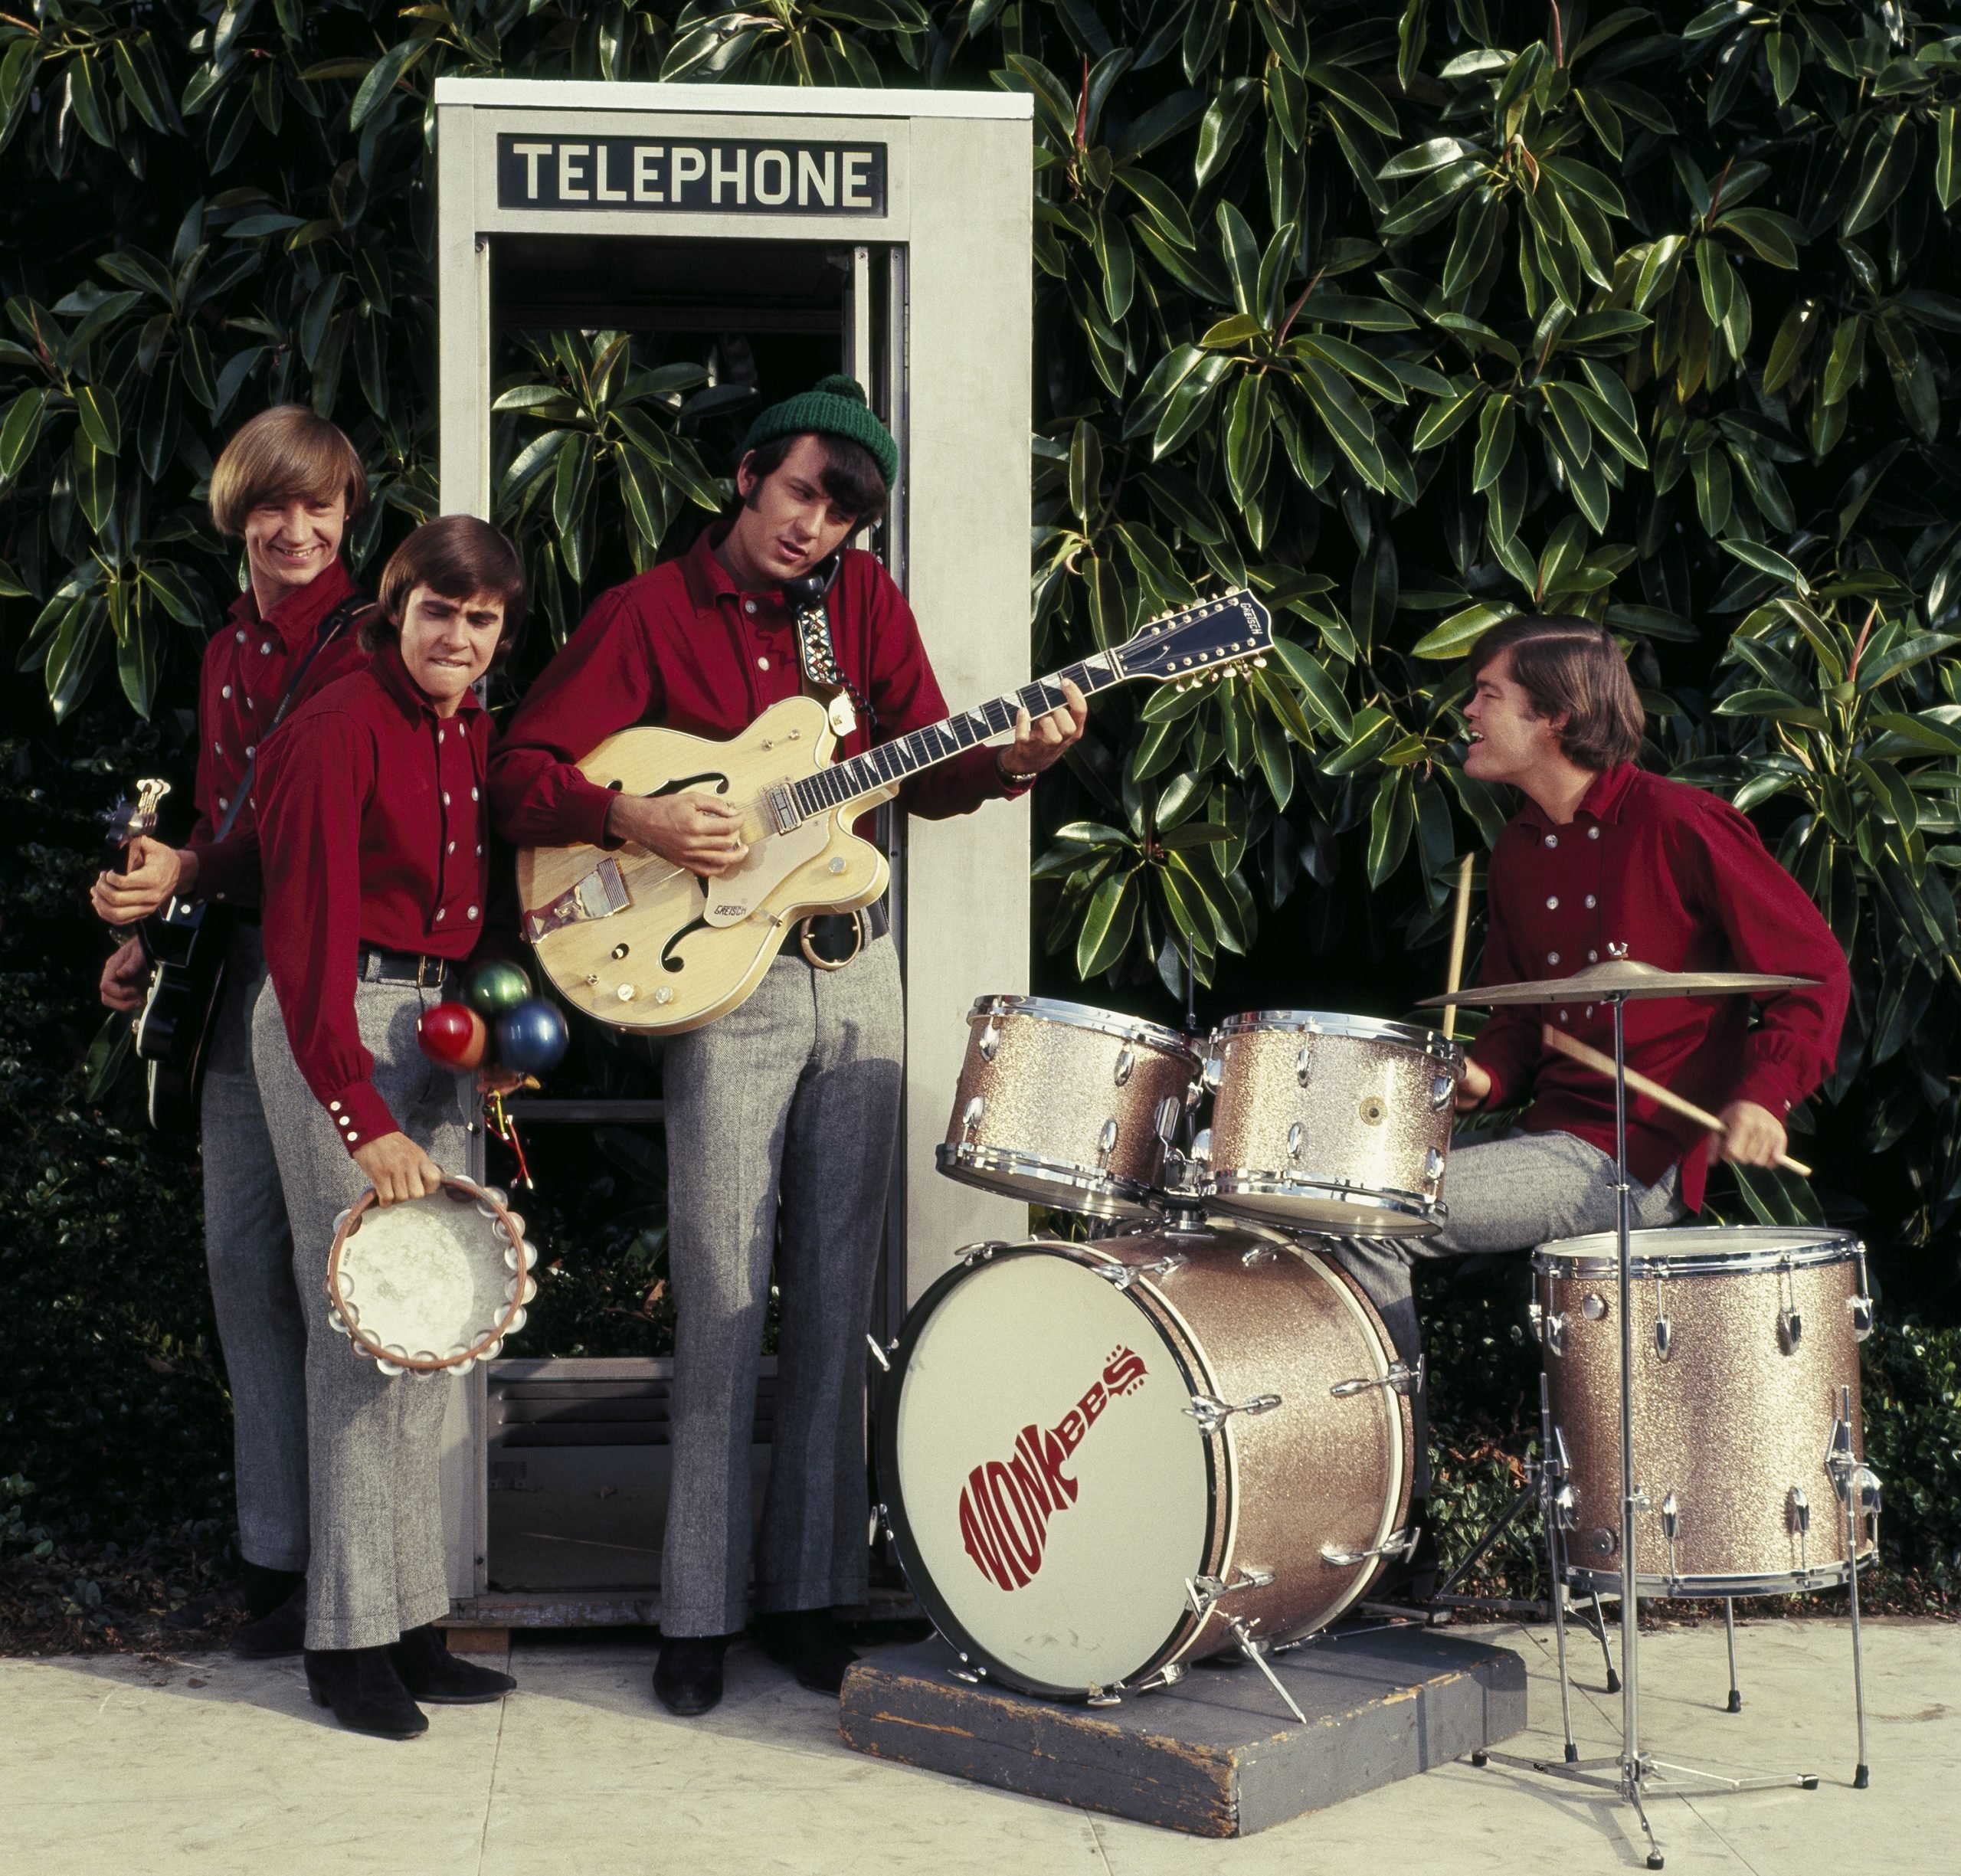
643 944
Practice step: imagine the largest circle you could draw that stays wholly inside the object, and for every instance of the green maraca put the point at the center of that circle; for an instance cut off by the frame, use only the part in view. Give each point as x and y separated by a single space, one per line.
497 987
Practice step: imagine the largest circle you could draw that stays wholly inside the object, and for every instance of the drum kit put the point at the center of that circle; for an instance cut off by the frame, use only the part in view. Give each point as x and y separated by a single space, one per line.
1106 1459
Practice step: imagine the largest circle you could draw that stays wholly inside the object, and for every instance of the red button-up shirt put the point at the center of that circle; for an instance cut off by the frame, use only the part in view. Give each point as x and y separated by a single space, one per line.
683 646
247 666
377 831
1682 880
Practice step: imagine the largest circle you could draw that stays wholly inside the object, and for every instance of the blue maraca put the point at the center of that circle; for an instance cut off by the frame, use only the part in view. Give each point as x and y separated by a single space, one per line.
532 1038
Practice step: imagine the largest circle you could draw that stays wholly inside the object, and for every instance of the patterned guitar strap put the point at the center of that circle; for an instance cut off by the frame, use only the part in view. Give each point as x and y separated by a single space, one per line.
816 659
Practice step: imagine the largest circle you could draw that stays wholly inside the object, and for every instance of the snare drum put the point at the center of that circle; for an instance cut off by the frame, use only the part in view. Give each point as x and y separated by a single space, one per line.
433 1285
1064 1105
1746 1360
1330 1123
1097 1458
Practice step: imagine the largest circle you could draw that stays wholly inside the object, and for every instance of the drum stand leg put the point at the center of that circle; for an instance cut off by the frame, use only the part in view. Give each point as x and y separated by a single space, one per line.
1862 1778
1598 1625
1729 1634
1549 1485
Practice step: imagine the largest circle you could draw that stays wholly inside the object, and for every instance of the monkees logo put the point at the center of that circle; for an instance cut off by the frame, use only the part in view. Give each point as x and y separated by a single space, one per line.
1005 1505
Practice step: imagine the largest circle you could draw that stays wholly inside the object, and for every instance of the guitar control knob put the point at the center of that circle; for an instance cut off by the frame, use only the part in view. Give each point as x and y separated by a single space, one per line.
625 993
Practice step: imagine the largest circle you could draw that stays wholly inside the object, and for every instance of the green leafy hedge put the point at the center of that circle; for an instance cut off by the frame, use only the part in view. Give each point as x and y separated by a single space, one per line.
1410 319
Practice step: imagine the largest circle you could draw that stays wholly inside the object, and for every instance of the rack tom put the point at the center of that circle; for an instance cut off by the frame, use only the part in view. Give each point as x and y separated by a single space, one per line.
1064 1105
1330 1123
1748 1437
1100 1461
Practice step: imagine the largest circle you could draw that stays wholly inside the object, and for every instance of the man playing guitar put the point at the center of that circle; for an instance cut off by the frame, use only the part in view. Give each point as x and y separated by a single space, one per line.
1605 859
287 486
791 1099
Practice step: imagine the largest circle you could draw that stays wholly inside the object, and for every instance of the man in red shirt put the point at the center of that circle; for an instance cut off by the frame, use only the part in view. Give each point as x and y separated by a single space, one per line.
287 487
1604 860
791 1099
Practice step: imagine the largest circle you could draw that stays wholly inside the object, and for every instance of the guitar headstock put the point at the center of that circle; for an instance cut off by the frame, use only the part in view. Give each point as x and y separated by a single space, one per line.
1208 638
133 816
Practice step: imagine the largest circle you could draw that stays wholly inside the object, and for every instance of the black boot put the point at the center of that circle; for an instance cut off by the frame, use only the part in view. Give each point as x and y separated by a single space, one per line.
806 1641
364 1690
687 1678
430 1672
283 1631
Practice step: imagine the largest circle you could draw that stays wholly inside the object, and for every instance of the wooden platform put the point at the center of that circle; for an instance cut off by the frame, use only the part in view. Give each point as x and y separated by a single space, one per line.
1217 1756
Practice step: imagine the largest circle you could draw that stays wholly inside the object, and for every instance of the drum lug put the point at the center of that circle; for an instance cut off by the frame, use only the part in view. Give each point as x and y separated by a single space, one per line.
1566 1509
880 1355
1790 1330
1124 1275
979 1253
1202 1591
1212 1413
1860 1309
990 1044
1443 1092
1106 1143
1170 1112
1296 1139
1401 1379
1548 1327
1797 1516
1398 1543
1210 1075
1169 1675
1126 1063
1671 1518
1663 1338
1105 1696
1303 1064
1433 1166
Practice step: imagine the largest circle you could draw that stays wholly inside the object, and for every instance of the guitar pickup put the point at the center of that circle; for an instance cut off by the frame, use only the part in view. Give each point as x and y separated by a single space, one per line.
782 813
599 895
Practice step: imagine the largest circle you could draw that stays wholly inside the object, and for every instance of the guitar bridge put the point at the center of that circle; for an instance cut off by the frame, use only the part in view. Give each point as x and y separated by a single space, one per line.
782 813
599 895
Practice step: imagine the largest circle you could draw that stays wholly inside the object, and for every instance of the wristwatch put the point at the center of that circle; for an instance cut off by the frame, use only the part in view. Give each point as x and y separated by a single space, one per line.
1008 776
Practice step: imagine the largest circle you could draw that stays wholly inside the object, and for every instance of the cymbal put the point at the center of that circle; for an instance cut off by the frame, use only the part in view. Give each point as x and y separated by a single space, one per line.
1620 977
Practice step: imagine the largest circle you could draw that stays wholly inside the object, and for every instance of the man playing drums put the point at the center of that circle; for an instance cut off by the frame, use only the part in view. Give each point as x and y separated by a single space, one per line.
791 1100
1603 860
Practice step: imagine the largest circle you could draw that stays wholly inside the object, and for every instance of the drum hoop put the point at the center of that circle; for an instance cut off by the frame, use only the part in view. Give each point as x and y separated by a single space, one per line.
959 1159
892 1388
1432 1213
1335 1022
1087 1016
374 1351
1797 1251
1771 1583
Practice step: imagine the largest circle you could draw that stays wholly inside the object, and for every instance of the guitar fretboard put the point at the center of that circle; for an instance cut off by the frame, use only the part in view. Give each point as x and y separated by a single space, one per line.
940 742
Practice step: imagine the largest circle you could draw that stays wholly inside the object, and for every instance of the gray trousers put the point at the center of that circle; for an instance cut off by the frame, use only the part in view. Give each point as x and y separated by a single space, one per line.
373 1445
788 1104
1512 1194
248 1251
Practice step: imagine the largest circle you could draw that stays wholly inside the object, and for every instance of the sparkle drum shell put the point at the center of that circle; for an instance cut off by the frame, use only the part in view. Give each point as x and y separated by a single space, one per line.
1053 1493
432 1285
1064 1105
1331 1123
1735 1424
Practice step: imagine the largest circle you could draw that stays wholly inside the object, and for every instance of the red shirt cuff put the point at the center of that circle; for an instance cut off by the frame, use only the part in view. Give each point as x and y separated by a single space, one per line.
582 815
1769 1087
359 1114
228 870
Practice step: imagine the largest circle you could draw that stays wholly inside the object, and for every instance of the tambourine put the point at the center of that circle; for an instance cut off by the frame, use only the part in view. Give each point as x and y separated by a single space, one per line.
432 1285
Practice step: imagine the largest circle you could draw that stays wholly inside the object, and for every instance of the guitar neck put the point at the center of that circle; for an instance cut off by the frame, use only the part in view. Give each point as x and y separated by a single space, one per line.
879 767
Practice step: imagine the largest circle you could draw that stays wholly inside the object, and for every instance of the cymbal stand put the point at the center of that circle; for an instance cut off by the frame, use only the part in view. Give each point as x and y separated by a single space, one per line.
1632 1774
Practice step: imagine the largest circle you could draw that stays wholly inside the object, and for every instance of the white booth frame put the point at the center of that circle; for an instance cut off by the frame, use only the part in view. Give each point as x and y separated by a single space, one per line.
957 219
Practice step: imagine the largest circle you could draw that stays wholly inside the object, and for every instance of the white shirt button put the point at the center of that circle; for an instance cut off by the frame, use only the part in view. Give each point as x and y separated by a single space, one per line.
1592 833
352 1138
218 748
242 635
439 736
218 896
446 798
762 664
473 794
1563 1015
1552 957
222 804
1592 958
439 914
1591 902
1588 1010
451 848
345 1121
226 692
265 650
249 749
748 605
333 1106
479 850
472 913
1552 904
1552 840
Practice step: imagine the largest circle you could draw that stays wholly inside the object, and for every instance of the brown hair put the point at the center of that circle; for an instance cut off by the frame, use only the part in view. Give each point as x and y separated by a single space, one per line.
851 479
1570 667
286 453
459 557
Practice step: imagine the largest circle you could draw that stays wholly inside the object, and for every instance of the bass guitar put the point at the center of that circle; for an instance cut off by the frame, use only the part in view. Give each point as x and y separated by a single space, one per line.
643 944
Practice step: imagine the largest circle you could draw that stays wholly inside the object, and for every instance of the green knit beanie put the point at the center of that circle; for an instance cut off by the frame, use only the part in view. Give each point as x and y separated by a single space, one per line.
833 406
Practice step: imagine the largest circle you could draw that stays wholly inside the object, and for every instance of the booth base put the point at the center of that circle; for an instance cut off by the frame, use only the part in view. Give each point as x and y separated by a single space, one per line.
1217 1756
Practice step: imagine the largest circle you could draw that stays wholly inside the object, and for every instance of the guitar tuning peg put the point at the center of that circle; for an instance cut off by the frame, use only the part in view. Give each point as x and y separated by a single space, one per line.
1259 664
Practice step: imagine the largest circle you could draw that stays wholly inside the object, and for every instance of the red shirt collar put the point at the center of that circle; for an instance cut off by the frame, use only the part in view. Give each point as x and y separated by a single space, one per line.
709 582
297 617
409 695
1605 796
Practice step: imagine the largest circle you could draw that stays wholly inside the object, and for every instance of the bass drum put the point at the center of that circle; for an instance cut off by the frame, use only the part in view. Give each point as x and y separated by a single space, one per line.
1101 1460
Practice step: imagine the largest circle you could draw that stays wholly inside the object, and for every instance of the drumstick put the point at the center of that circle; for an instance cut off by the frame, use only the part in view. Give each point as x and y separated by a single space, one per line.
1457 940
1593 1059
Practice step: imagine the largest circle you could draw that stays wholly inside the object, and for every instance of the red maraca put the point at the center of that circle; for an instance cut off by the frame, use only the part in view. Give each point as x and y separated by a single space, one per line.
452 1035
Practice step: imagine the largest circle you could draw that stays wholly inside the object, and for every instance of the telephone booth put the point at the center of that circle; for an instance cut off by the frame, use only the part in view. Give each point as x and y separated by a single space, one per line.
886 234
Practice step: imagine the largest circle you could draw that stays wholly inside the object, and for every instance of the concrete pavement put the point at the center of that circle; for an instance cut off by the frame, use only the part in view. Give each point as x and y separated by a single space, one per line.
203 1764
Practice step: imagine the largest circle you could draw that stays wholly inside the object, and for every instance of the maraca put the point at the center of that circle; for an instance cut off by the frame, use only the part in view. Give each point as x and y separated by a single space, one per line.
532 1038
497 987
452 1035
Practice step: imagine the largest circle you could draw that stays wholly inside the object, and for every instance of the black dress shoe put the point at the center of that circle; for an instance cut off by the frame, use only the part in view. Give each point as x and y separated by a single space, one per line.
282 1633
687 1678
806 1641
365 1692
430 1672
265 1588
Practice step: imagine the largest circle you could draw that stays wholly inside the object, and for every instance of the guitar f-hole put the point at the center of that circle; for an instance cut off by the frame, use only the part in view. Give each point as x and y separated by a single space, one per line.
681 782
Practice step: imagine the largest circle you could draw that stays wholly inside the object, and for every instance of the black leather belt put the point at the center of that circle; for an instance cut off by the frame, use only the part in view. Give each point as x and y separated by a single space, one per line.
417 967
828 940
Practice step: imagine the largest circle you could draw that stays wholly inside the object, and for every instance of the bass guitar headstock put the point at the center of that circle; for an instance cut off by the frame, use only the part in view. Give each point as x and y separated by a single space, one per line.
134 816
1205 641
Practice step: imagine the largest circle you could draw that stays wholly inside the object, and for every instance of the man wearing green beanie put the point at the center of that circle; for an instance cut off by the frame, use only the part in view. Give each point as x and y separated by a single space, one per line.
781 1115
